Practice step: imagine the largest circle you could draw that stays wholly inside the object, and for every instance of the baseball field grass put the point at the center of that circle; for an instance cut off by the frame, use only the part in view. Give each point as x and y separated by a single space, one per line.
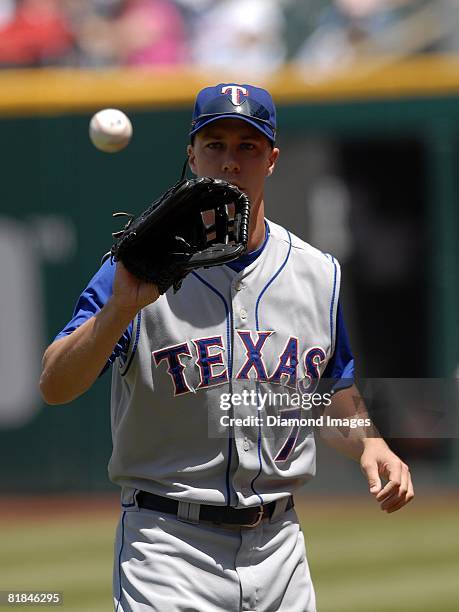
362 560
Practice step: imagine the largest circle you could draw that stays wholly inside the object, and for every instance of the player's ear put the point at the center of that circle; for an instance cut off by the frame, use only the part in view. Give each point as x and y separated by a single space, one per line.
191 158
272 160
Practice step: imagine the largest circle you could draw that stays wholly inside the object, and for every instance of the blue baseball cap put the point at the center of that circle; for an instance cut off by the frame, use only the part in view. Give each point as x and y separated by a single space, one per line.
230 100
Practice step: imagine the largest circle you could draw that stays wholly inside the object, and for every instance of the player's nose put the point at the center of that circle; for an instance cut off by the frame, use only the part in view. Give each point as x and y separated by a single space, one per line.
230 166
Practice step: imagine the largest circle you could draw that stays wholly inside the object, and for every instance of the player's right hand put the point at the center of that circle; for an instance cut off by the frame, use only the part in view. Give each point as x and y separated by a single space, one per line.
131 294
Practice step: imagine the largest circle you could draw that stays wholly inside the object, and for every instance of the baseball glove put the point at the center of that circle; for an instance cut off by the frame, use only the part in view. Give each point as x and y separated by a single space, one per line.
196 223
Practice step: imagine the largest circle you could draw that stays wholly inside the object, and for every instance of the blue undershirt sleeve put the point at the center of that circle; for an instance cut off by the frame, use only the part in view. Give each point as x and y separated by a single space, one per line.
339 372
90 302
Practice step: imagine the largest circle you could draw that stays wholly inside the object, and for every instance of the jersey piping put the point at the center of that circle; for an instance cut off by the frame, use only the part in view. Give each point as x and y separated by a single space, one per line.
119 562
332 340
257 322
229 328
136 342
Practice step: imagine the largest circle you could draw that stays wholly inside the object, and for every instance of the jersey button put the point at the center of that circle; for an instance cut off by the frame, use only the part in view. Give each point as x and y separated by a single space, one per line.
243 314
246 444
239 286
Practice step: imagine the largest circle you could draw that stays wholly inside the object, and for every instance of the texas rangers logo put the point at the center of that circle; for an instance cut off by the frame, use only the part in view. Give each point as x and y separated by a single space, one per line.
237 93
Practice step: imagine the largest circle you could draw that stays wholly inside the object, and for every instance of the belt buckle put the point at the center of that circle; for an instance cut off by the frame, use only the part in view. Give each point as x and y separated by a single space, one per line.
258 519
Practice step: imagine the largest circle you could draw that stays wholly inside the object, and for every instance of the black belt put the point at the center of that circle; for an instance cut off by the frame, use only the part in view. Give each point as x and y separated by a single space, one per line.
244 517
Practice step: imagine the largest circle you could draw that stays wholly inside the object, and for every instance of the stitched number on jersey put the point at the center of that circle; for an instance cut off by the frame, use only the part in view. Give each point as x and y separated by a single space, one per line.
289 444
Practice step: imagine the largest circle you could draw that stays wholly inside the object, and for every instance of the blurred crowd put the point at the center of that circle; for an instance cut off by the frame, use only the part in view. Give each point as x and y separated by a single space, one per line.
254 35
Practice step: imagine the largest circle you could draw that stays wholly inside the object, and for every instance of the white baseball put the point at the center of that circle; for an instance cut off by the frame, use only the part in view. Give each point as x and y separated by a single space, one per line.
110 130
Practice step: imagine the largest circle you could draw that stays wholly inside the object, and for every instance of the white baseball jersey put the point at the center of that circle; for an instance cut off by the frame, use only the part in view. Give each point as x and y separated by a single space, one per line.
267 328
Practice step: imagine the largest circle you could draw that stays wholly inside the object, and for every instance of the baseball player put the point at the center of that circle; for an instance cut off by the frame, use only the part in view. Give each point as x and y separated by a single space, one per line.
207 510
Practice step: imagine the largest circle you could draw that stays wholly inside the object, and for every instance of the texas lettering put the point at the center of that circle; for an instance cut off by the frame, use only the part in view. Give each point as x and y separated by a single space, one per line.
210 356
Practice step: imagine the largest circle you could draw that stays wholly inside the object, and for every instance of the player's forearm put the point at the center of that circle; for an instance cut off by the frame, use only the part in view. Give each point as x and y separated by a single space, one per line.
351 440
354 445
72 364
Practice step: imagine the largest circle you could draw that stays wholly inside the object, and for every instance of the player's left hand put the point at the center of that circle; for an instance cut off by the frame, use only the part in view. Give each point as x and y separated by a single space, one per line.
378 461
